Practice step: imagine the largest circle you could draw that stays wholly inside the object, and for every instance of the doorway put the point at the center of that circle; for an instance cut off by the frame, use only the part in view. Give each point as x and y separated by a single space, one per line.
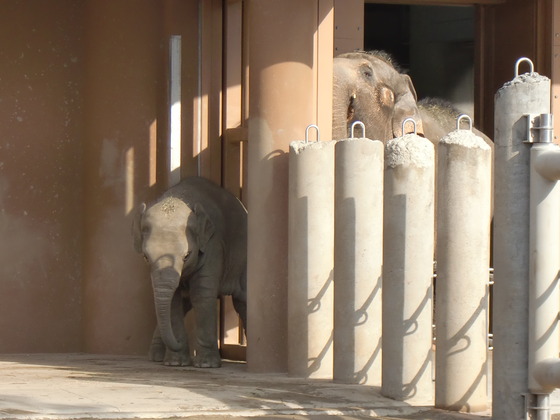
435 45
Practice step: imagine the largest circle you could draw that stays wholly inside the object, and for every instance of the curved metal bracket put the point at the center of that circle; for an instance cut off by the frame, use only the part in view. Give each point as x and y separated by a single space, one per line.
361 124
521 60
462 117
307 132
412 120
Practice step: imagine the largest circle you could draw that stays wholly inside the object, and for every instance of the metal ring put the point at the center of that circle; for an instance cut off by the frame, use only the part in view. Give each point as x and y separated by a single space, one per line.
307 132
412 120
461 117
361 124
519 61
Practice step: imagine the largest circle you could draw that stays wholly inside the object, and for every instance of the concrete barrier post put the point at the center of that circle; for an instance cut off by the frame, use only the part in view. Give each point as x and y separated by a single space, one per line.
310 259
528 93
463 258
358 261
407 269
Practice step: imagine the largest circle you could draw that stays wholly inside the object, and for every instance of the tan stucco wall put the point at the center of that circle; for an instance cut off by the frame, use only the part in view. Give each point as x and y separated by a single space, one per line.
121 85
41 63
82 142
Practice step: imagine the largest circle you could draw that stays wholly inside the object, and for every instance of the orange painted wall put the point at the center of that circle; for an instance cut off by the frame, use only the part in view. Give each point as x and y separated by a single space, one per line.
41 194
83 128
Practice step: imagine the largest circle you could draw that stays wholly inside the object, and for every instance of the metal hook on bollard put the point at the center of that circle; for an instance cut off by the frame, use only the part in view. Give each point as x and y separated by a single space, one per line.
413 121
307 132
462 117
361 124
521 60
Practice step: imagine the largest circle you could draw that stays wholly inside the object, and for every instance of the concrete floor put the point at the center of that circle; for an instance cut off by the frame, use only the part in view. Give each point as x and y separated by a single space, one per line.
76 386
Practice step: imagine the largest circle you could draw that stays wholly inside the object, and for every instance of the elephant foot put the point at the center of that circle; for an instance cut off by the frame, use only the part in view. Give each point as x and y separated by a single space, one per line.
157 351
177 358
207 360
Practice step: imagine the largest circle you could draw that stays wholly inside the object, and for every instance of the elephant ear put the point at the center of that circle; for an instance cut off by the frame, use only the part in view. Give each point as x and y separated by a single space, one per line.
408 80
205 227
136 229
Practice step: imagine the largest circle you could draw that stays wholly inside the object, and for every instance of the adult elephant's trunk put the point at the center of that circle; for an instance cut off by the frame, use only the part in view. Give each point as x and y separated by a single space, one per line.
168 306
343 97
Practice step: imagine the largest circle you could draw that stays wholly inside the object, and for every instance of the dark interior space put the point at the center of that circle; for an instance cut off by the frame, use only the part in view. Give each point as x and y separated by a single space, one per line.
434 44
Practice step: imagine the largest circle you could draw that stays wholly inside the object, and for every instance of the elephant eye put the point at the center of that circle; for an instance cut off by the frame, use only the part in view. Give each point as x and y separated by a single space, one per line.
186 257
367 71
146 258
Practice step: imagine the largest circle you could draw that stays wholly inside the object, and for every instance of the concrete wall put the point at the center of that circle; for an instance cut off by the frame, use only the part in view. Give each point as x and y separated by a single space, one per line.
83 128
41 193
121 88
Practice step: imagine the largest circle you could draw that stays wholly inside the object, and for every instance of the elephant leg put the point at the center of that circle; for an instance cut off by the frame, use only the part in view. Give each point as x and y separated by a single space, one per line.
240 306
179 307
206 318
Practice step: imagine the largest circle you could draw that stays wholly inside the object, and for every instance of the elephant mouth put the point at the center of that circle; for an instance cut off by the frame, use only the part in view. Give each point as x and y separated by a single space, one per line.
351 110
409 125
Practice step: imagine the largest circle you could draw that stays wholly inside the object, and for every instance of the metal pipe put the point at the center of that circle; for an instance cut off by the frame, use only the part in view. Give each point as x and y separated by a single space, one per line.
544 242
174 110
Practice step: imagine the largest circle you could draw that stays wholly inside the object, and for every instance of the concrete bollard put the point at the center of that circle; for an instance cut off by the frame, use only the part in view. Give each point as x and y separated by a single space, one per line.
407 269
310 259
525 94
358 261
463 257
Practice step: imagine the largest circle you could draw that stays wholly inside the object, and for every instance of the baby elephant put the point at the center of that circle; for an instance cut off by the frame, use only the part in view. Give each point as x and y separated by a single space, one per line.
195 240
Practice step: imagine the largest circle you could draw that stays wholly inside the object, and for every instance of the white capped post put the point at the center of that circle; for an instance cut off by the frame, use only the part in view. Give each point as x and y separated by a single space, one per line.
408 236
527 93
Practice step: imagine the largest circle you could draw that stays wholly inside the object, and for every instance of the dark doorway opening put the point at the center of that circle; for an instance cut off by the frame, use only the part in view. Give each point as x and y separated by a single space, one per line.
435 44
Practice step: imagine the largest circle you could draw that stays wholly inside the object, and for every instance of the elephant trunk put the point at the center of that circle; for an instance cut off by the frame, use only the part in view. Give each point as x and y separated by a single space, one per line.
167 302
343 97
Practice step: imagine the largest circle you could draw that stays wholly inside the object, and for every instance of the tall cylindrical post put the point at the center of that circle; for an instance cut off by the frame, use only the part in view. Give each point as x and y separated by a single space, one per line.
525 94
408 269
283 90
544 290
358 261
310 259
463 258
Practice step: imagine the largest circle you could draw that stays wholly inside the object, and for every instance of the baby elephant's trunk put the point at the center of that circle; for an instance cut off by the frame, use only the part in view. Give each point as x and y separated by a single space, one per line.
168 307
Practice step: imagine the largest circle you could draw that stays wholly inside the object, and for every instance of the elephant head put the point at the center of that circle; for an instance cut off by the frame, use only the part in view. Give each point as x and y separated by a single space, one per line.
368 88
173 237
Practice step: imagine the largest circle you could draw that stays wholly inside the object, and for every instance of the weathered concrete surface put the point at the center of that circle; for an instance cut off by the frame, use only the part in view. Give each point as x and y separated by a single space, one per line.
464 179
310 259
75 386
526 94
79 386
408 251
358 261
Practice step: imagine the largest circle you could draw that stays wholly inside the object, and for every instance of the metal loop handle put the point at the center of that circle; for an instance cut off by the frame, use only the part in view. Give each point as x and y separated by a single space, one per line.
307 132
521 60
361 124
412 120
462 117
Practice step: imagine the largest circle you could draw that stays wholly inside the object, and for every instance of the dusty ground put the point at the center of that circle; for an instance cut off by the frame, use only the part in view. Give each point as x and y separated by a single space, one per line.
79 386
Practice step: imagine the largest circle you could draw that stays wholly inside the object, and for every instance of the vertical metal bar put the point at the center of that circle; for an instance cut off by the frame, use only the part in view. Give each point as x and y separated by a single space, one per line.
174 110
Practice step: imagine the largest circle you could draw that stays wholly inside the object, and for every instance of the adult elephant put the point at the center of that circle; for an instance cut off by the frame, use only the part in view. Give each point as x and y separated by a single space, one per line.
194 238
371 88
